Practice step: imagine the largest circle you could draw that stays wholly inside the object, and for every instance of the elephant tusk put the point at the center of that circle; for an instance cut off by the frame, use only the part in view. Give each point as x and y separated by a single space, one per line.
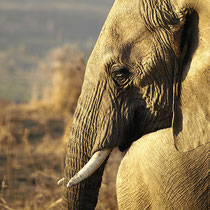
91 166
60 181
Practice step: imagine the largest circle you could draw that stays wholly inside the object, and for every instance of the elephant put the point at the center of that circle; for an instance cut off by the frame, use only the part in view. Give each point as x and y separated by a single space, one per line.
145 91
157 176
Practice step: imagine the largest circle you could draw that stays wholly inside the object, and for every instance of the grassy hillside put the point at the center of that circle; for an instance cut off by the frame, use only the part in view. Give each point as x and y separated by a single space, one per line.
31 28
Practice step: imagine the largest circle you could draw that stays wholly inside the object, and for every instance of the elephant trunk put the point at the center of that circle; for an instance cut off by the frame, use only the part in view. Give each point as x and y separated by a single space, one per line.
82 138
84 194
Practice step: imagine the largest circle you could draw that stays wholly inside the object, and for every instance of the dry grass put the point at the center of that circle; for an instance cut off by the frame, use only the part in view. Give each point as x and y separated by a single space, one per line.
30 156
31 145
66 69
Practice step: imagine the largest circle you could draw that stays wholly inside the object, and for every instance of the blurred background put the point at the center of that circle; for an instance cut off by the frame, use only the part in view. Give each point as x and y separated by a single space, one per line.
30 29
44 47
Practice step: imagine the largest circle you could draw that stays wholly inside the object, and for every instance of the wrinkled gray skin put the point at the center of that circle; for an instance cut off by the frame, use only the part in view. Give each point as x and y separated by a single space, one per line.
148 71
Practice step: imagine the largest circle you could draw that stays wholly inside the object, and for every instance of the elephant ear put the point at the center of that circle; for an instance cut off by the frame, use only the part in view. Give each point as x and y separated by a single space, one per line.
191 111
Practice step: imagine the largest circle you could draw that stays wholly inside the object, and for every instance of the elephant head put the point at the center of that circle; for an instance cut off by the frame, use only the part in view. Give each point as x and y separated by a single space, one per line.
132 86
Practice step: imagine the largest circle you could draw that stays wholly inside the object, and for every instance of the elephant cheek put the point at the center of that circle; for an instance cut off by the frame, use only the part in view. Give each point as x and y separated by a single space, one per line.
116 131
104 136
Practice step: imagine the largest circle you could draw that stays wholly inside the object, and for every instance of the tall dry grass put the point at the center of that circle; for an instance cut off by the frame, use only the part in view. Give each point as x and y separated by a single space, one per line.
62 74
31 139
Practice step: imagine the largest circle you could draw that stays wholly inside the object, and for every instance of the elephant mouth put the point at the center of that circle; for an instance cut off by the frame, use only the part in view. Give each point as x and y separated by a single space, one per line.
91 166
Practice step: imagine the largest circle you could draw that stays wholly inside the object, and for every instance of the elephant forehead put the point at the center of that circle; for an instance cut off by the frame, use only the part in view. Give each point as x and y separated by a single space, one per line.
123 36
124 23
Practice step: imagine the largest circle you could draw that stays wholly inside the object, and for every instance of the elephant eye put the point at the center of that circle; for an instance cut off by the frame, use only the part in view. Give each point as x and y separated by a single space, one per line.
121 76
